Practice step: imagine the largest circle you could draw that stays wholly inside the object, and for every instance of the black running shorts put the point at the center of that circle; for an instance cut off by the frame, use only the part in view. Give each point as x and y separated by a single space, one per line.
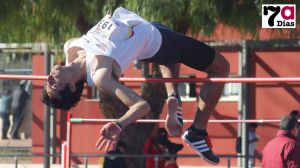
178 48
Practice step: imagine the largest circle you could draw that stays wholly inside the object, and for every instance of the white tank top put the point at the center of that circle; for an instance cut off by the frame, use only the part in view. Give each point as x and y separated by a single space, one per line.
124 36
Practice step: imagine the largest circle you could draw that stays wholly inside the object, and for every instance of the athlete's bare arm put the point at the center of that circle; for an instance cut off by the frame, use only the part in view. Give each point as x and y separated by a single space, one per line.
71 53
103 79
103 70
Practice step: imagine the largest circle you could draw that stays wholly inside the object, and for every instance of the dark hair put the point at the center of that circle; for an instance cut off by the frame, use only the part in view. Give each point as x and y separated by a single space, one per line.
295 113
288 122
66 99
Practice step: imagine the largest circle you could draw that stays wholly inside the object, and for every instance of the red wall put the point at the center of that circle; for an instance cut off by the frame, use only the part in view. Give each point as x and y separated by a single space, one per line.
37 107
84 136
223 32
270 101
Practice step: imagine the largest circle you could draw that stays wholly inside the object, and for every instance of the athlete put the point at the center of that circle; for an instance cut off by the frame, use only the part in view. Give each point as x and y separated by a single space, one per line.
101 56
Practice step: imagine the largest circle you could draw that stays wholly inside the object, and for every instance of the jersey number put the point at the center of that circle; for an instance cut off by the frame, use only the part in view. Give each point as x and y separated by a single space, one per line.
105 24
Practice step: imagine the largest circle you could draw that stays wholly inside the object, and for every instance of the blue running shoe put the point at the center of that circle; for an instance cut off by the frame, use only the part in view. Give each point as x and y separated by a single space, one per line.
202 145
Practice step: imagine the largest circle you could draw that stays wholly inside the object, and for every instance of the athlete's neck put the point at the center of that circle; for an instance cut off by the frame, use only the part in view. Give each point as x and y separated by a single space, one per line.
77 68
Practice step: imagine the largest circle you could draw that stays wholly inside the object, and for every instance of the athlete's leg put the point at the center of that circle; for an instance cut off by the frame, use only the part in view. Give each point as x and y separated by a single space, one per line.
196 136
174 116
194 54
211 92
171 71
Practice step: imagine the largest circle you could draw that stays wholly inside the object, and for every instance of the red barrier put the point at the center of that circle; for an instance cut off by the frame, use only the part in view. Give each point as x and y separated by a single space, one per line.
219 80
92 120
23 77
162 80
69 141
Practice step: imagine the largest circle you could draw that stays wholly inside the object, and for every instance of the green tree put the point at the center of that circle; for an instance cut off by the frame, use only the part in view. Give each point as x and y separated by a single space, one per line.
55 21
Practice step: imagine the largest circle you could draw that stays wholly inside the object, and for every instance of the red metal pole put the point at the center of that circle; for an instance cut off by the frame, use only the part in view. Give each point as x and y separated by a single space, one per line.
161 80
69 138
64 154
92 120
220 80
23 77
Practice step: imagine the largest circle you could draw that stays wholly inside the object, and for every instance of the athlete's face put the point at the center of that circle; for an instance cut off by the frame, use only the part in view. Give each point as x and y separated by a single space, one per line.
57 81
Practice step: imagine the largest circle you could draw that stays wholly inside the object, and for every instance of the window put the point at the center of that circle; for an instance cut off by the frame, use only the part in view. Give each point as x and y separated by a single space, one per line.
188 91
231 92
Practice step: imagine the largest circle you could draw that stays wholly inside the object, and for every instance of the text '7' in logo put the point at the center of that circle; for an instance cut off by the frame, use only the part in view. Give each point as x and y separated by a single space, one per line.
278 16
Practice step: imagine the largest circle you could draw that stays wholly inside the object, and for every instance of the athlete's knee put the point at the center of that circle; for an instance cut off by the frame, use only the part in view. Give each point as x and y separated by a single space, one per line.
226 66
220 66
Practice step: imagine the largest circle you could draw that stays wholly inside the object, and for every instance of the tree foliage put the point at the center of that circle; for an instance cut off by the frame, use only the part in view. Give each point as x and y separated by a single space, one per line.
57 20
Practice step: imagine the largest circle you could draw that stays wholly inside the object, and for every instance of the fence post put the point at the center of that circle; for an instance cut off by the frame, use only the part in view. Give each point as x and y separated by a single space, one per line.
244 103
46 121
228 161
86 162
64 154
16 162
156 161
69 142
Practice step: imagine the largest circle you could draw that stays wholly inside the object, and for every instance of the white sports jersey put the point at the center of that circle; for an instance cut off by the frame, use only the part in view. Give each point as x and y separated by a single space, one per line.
124 36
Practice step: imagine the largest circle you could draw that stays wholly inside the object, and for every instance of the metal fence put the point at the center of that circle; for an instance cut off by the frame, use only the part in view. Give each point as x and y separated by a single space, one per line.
87 156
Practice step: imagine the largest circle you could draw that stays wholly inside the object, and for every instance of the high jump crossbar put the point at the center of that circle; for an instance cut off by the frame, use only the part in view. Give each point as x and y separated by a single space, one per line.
91 120
162 80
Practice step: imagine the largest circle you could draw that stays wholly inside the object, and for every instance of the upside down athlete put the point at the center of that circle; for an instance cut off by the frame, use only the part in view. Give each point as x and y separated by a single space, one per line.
101 56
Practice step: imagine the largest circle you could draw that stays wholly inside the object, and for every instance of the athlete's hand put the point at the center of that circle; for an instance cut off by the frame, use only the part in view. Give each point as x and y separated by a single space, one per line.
109 13
109 135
